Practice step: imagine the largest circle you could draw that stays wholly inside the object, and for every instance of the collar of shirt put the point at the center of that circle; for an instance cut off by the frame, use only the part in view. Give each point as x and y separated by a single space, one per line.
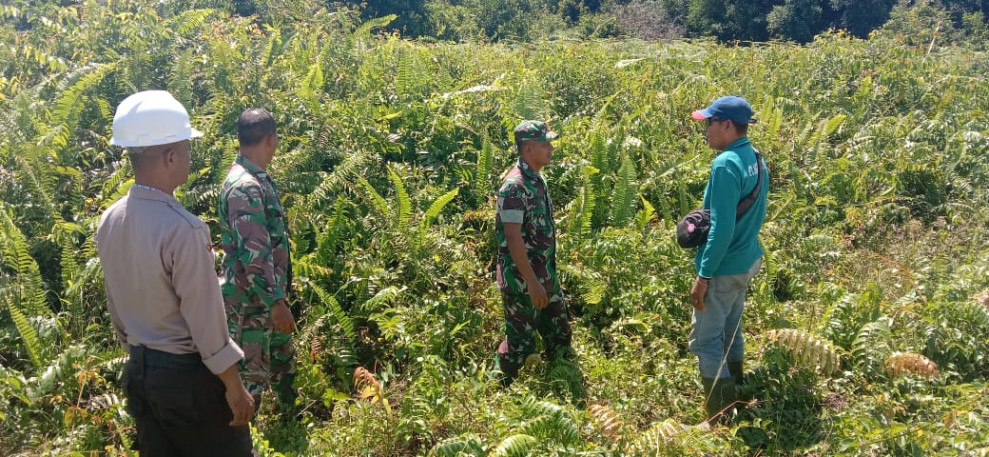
150 193
252 167
738 143
527 170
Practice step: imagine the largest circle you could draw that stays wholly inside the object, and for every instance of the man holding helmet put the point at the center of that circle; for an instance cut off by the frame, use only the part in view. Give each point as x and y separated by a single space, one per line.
181 380
730 255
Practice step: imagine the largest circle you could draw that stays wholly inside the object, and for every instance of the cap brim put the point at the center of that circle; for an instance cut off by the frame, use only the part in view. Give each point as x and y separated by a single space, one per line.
552 136
700 115
195 134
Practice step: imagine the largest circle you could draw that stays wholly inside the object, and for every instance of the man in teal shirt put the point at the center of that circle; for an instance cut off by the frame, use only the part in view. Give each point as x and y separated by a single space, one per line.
732 254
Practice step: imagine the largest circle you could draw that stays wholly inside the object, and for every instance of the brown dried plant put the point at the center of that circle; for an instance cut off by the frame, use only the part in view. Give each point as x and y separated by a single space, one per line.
808 350
369 388
983 298
905 363
609 421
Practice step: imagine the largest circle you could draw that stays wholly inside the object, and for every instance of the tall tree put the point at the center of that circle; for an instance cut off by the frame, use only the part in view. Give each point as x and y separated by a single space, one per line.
412 17
748 18
707 18
860 17
797 20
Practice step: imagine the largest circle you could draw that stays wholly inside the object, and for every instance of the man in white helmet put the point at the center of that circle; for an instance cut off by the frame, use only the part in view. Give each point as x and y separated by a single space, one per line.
181 382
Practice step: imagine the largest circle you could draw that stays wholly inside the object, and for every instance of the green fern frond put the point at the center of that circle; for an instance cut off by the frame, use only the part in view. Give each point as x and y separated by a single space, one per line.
307 267
407 73
645 215
403 202
117 194
312 85
189 21
16 256
65 107
975 314
328 240
658 438
520 445
581 209
383 299
624 193
70 268
376 200
340 178
333 306
461 447
116 179
29 335
871 345
275 45
105 402
434 209
182 79
34 174
598 152
485 162
555 428
363 33
527 103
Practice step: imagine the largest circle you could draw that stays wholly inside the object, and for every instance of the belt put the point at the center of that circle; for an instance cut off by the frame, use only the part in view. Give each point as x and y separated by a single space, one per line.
145 356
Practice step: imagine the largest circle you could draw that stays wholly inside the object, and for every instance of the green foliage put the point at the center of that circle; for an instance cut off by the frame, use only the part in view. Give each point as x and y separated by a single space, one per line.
795 19
21 287
389 161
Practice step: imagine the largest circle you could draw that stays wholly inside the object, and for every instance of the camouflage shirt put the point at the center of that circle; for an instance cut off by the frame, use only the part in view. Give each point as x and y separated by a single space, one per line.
254 237
524 199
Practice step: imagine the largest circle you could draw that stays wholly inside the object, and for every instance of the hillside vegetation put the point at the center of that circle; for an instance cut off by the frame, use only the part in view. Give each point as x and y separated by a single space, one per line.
867 329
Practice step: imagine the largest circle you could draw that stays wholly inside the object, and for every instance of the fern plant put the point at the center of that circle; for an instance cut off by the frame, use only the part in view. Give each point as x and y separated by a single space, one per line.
21 289
608 421
661 437
907 363
808 350
370 389
624 193
470 446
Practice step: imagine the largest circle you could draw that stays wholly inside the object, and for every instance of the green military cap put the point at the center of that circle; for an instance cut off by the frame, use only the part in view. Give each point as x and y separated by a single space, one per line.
534 130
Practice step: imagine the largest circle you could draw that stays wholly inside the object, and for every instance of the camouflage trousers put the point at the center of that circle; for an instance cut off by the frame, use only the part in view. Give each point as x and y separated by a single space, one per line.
268 355
522 321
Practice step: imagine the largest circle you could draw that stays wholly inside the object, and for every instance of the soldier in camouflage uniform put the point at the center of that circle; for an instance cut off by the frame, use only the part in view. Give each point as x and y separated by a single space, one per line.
256 263
526 235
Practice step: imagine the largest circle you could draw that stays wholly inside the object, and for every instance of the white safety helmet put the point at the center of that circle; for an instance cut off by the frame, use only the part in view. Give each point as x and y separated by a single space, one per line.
151 118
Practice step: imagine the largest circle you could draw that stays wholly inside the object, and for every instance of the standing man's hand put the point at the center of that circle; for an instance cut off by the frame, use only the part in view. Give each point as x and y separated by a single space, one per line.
238 398
281 317
537 293
697 293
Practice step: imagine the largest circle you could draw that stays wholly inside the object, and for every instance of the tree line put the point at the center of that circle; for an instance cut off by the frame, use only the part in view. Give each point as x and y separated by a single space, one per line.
727 20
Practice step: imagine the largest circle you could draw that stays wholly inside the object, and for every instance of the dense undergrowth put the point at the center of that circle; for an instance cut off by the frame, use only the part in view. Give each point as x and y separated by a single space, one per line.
868 328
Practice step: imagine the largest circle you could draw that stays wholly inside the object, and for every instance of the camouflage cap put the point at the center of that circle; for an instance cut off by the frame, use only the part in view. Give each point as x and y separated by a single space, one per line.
534 130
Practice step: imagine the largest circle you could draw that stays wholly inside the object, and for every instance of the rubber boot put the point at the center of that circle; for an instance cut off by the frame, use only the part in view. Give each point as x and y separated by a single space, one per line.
286 394
719 400
737 371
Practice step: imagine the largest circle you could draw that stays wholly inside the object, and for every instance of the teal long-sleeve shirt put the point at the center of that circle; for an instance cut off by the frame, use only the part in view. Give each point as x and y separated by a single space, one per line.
733 246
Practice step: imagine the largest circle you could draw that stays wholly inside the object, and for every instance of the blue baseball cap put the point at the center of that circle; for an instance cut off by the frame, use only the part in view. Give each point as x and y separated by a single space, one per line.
731 107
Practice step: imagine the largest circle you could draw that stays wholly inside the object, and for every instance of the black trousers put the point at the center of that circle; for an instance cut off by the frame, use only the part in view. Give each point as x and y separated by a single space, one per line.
180 407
